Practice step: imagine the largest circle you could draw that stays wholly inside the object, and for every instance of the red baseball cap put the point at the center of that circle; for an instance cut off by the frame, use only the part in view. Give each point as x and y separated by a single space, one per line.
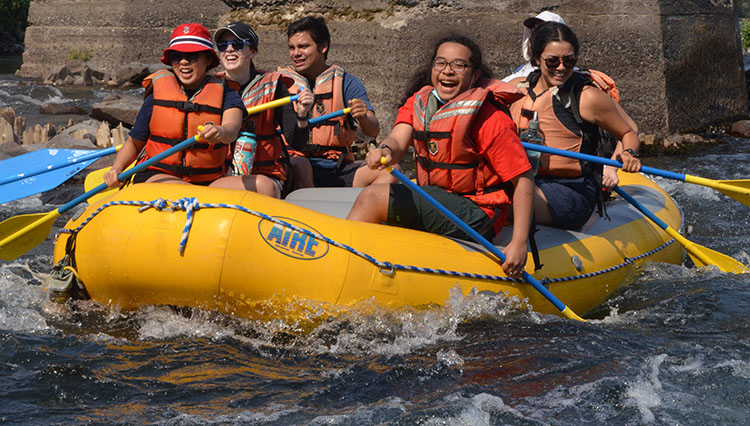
190 38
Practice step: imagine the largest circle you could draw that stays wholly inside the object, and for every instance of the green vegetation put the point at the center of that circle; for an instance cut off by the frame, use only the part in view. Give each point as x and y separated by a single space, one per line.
744 8
79 54
745 33
14 14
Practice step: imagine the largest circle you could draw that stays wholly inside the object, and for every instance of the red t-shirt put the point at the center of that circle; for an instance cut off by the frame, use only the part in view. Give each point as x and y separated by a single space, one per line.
496 139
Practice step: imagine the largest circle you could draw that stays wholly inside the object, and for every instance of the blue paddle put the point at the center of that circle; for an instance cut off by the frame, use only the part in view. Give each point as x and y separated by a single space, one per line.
738 189
42 170
21 233
566 312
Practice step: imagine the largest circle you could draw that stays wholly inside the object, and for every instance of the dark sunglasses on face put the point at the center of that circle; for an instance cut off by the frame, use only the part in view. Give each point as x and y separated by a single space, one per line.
554 62
175 57
237 44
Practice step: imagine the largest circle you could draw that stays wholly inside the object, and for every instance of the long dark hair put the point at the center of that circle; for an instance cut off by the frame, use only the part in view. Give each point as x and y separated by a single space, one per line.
547 33
423 76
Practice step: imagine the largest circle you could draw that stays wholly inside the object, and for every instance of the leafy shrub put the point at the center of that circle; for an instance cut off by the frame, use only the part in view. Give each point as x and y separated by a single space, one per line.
76 54
745 34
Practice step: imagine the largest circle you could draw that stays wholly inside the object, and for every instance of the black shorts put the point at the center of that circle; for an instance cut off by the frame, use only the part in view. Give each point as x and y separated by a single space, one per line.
571 201
409 210
327 175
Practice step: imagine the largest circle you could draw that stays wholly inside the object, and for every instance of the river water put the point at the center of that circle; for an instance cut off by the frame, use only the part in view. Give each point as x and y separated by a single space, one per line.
672 348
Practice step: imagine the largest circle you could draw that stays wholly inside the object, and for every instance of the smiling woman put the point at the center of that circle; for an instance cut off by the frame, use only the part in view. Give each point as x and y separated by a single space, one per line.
570 109
469 157
178 102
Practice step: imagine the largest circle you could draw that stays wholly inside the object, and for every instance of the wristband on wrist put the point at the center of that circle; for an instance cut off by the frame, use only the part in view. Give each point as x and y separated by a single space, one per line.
384 146
631 151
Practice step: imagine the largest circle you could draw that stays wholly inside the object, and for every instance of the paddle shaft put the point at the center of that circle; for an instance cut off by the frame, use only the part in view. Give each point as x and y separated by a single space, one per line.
737 189
324 117
567 312
601 160
273 104
67 163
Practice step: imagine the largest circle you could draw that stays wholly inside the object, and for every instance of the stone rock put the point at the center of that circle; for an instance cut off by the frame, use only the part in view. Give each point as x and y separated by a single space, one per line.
679 143
8 113
69 141
124 110
740 128
61 109
648 145
103 139
18 127
78 136
133 72
37 133
6 131
119 135
11 149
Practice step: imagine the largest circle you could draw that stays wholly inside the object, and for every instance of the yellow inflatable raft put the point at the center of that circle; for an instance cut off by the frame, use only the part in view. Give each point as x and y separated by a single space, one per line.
244 254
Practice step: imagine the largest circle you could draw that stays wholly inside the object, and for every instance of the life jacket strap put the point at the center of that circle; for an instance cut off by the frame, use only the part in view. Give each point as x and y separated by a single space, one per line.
188 171
428 164
173 142
187 106
425 135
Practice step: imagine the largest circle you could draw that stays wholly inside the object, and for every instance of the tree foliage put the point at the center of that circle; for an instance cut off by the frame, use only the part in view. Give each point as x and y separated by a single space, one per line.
744 8
14 14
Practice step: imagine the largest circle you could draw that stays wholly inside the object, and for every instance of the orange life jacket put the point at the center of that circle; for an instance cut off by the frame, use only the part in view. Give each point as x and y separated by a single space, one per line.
269 152
604 82
176 118
330 138
558 123
445 154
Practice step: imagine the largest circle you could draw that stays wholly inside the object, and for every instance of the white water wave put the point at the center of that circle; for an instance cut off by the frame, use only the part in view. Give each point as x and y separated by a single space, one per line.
21 303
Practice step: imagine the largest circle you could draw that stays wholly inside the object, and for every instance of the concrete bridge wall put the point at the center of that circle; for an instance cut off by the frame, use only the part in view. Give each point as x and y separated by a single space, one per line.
677 62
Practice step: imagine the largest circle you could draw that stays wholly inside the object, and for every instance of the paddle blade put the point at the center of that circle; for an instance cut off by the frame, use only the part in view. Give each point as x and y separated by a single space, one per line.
704 256
737 189
95 179
39 183
21 233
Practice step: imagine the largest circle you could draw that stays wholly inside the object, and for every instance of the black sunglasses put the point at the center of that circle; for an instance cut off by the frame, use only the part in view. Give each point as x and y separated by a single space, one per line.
237 44
554 62
175 57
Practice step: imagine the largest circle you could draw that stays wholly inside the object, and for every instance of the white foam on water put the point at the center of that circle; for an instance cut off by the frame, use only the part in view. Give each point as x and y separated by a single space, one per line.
381 331
477 410
450 358
644 393
163 323
20 302
740 368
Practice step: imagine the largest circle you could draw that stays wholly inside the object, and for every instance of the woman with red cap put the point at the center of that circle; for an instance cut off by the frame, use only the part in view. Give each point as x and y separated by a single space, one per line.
177 101
237 44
